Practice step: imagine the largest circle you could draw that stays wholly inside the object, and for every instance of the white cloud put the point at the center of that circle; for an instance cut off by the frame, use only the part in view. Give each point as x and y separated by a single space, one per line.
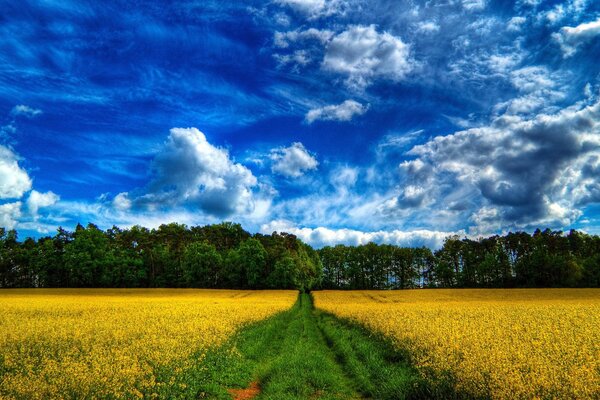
316 8
540 89
344 178
563 10
428 26
283 39
14 181
10 214
570 38
474 4
340 112
122 202
39 200
25 111
515 24
292 161
189 171
362 54
321 236
298 57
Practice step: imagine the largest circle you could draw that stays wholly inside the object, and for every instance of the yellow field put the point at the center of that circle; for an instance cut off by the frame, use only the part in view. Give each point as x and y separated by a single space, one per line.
502 344
109 343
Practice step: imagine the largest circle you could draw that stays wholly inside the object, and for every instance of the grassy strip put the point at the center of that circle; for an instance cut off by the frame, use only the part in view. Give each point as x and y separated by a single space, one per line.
380 370
302 353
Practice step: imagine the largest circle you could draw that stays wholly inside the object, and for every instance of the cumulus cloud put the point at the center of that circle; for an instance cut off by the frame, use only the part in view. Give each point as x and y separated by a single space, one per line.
570 38
26 111
321 236
340 112
10 213
518 171
190 172
361 53
292 161
16 185
14 181
39 200
411 196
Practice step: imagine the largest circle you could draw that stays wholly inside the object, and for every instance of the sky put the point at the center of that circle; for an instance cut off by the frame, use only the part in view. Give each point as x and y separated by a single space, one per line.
340 121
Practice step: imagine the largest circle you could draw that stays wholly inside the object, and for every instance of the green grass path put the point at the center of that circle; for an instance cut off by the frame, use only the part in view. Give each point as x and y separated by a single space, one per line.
304 353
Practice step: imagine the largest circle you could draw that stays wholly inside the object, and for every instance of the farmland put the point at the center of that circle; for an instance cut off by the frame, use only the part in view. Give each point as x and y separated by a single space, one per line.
501 344
412 344
116 343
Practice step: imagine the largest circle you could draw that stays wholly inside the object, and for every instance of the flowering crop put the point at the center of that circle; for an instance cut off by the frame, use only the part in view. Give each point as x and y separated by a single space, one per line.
89 343
501 344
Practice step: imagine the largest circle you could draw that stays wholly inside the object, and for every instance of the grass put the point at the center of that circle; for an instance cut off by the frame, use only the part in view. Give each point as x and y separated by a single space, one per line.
302 354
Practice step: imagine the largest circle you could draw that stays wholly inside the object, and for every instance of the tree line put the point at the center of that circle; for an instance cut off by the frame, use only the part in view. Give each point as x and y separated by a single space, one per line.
226 256
173 255
544 259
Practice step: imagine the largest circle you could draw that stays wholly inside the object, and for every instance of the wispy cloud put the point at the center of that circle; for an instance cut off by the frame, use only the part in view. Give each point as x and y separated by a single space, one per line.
339 112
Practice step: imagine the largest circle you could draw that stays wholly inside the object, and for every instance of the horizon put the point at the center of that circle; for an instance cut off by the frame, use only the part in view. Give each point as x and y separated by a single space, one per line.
338 121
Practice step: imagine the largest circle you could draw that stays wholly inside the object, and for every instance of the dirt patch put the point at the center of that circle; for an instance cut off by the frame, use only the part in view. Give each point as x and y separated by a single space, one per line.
245 394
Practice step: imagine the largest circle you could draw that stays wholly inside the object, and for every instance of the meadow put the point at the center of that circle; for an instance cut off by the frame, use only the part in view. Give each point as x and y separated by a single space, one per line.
499 344
84 343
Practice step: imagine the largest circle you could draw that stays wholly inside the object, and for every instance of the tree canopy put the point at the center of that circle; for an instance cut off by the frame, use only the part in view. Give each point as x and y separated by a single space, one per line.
226 256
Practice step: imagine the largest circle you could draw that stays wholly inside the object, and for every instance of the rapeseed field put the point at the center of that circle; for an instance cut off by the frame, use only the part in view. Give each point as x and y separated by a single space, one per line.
499 344
74 343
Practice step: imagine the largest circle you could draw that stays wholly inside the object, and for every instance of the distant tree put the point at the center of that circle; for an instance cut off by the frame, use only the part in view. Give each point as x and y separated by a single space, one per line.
202 265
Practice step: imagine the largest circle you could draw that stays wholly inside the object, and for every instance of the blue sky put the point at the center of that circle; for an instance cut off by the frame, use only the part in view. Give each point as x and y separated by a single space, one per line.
342 121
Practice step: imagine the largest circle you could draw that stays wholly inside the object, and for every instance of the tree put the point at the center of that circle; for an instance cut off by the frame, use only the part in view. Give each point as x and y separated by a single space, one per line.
202 265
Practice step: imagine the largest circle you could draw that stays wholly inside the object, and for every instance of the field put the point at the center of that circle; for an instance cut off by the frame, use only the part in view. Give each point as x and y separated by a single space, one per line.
116 343
224 344
500 344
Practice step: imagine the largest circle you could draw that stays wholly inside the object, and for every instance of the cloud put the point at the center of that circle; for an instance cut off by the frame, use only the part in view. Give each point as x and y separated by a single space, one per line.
10 214
314 9
362 54
340 112
122 202
26 111
39 200
343 178
292 161
190 172
515 24
540 90
15 184
321 236
570 8
474 4
428 26
298 57
518 171
411 196
570 38
14 181
283 39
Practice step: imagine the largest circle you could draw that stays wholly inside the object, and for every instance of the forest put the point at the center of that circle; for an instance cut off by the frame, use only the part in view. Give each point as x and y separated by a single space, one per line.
226 256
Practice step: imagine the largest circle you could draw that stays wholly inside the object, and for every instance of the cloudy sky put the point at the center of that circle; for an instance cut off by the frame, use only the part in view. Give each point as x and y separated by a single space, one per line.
342 121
